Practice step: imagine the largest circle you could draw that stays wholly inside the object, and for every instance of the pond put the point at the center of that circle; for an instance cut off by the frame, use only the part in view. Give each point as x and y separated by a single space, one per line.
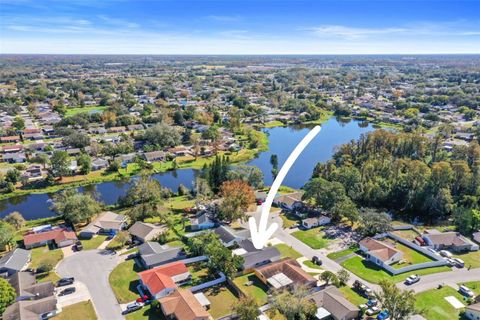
282 141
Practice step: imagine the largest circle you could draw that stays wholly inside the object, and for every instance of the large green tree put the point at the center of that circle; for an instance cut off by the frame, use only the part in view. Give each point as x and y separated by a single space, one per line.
294 304
75 206
399 303
7 232
7 295
144 197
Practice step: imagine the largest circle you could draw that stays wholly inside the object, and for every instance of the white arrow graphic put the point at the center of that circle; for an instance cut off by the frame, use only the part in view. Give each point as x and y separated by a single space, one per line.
261 235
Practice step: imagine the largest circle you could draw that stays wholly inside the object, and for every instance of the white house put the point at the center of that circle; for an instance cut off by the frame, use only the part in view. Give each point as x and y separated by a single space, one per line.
315 222
379 252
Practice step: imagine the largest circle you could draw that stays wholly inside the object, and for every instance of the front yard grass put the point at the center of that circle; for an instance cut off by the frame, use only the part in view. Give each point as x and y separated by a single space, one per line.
44 256
288 219
372 273
343 253
82 310
312 265
146 313
471 259
222 300
432 304
257 290
124 281
287 251
94 242
352 296
314 238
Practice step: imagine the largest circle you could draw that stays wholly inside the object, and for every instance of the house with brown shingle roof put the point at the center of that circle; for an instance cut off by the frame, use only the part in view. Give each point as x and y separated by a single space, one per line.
183 305
451 240
380 252
284 273
331 303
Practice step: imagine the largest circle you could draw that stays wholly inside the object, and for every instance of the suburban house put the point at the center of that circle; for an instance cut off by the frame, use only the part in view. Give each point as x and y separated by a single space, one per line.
107 223
153 254
201 222
284 273
292 201
476 236
309 223
182 304
472 311
14 261
162 281
154 156
143 231
98 164
253 257
451 240
34 300
60 237
331 304
380 252
230 237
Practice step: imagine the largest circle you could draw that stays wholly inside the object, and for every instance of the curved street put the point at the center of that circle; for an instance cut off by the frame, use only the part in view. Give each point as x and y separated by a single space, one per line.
92 268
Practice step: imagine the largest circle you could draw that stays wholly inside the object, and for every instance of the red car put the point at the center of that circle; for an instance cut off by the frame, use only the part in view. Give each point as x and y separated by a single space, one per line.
420 240
259 202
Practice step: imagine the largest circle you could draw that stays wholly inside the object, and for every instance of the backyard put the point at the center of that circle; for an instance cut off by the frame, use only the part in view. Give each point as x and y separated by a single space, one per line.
314 238
410 256
124 280
432 304
82 310
251 286
222 299
372 273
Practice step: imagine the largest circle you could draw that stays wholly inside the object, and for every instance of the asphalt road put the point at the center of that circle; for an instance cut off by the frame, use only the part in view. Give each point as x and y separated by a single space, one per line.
92 268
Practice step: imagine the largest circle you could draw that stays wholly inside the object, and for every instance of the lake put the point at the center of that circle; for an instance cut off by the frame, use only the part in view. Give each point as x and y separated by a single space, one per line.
282 141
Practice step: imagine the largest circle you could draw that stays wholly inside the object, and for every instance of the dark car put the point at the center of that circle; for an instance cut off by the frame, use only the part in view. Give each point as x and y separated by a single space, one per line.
67 291
132 256
317 260
133 307
65 282
78 246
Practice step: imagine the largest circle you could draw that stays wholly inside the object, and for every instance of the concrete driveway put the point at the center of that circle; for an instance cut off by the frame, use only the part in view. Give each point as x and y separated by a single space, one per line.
81 294
92 268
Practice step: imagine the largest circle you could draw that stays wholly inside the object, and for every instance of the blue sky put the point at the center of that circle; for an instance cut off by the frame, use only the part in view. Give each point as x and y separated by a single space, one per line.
239 27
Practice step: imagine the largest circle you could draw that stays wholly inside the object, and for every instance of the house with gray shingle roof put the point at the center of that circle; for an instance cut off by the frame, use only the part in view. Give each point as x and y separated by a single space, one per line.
153 254
14 261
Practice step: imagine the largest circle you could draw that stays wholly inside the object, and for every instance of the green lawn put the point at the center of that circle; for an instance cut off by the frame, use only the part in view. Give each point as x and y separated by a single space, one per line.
342 253
287 251
258 290
374 274
146 313
312 265
288 220
124 280
82 310
94 242
471 259
314 238
352 296
432 304
222 299
42 255
74 111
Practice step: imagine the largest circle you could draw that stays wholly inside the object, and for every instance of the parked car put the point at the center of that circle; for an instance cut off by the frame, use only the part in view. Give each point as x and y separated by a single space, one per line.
362 289
67 291
317 260
372 303
132 256
420 240
47 315
459 262
412 279
65 282
466 292
259 202
293 226
384 315
446 253
133 307
450 262
373 310
79 246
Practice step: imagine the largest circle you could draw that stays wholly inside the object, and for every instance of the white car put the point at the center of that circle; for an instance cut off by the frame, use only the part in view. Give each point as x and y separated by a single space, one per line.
446 253
372 311
466 292
412 279
459 262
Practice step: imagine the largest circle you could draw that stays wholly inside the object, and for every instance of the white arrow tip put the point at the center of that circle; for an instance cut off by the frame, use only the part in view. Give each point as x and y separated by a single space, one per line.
261 237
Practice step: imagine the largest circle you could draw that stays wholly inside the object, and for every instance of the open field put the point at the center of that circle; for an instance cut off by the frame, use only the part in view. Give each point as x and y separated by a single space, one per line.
374 274
74 111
